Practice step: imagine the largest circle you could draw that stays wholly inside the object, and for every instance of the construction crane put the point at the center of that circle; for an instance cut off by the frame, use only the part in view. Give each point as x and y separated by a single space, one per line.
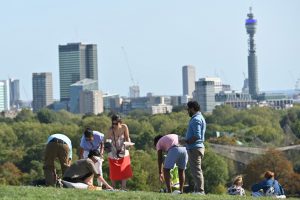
134 90
128 66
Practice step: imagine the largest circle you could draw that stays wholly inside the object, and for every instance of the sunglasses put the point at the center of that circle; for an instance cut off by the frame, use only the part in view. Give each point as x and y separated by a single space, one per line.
114 123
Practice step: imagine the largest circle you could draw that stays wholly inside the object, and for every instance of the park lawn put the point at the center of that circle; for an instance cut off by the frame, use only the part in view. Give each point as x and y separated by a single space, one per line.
27 192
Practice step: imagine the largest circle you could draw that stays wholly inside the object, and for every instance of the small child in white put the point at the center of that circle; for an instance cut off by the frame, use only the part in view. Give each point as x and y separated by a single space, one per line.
236 188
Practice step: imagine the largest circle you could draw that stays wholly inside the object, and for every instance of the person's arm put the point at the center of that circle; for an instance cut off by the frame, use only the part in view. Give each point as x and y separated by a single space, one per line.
81 150
126 133
105 183
81 153
70 154
257 187
160 163
196 131
102 148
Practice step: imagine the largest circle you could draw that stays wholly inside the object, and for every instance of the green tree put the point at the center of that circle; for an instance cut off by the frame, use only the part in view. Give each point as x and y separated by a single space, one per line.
215 172
46 116
276 162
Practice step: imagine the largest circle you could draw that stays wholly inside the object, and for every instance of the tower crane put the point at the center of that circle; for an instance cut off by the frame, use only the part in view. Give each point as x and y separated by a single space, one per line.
134 90
128 66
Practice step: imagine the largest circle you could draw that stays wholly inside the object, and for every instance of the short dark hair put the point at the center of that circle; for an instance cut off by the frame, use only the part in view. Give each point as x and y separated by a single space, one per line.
88 133
93 153
269 174
193 104
116 117
156 139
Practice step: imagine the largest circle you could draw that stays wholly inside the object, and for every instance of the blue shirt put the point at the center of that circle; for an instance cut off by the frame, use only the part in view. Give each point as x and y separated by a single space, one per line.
266 184
92 145
197 127
63 138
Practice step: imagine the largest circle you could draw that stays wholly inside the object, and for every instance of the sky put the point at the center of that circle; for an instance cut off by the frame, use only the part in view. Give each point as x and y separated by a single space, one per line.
159 37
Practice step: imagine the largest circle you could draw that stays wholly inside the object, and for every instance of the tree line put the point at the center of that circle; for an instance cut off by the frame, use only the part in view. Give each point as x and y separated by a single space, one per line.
22 143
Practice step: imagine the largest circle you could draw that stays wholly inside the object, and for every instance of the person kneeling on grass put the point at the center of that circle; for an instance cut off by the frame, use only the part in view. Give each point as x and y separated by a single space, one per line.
176 154
84 170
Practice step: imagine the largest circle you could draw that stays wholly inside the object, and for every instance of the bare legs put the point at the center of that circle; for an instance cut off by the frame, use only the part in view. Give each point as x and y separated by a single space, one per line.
123 184
167 178
181 175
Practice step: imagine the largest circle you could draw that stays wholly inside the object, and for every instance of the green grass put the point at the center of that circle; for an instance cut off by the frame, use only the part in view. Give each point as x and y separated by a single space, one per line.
26 192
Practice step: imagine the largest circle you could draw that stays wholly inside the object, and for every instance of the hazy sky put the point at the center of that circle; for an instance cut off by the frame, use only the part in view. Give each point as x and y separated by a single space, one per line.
159 36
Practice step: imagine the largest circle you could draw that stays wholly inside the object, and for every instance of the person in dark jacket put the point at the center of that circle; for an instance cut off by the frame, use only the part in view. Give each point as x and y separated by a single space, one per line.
268 187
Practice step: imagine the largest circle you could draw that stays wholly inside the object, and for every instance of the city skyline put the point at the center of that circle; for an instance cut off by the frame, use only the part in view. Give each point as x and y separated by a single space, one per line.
160 38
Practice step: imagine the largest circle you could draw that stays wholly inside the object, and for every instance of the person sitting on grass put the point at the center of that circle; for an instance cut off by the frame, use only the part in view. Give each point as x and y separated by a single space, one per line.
84 170
236 188
268 187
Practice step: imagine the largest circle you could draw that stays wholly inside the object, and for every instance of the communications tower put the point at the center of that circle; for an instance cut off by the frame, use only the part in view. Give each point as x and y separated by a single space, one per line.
252 58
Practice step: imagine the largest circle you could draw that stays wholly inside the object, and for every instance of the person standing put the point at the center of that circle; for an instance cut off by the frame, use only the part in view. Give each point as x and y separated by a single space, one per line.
176 154
195 144
119 158
58 146
92 140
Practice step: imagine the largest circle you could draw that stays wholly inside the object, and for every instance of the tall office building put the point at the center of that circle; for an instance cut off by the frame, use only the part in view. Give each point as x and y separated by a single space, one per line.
205 94
76 62
252 59
76 89
42 90
188 80
14 91
4 95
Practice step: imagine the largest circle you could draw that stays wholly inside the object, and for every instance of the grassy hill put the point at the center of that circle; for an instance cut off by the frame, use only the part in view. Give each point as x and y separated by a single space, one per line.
26 192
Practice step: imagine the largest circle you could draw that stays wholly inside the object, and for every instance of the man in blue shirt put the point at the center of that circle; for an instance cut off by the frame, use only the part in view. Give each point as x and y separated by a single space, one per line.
92 140
58 146
195 144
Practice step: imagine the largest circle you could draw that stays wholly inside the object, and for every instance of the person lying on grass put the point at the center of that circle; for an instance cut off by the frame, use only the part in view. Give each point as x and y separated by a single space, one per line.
84 170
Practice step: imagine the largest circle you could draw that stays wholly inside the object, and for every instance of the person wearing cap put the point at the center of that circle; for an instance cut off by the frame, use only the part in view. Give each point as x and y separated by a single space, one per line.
92 140
268 187
84 170
119 158
57 146
176 154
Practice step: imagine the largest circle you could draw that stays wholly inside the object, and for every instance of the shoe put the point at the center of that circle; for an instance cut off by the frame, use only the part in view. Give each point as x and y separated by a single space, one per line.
199 193
176 192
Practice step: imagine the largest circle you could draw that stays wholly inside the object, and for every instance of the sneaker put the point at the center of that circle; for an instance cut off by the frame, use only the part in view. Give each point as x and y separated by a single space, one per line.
199 193
176 192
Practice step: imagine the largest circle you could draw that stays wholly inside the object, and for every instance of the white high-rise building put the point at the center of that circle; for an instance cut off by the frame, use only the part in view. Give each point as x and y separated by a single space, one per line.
91 102
134 91
188 80
4 95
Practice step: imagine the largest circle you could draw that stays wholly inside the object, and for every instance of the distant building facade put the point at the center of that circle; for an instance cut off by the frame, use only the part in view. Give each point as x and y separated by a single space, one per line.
134 91
42 90
14 91
188 80
76 89
4 96
205 95
91 102
76 62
